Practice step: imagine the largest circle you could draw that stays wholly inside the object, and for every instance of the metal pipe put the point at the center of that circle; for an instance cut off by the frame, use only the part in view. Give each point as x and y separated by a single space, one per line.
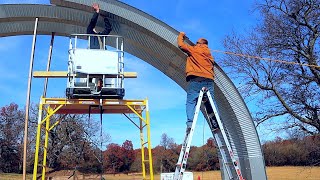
48 65
28 101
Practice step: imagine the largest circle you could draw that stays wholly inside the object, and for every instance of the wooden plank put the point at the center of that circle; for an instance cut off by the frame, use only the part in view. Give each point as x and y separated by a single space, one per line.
64 74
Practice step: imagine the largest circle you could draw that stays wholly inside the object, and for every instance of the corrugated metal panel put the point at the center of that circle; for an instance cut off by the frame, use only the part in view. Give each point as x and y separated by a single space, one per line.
152 41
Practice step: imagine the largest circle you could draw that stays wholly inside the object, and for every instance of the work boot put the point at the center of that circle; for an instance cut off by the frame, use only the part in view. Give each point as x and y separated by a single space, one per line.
188 130
189 125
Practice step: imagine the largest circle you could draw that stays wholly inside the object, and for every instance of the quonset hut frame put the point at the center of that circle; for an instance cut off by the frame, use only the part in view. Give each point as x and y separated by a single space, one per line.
152 41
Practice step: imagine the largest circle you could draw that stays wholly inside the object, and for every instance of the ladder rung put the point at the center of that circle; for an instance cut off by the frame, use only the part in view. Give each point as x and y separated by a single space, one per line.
41 165
44 127
145 160
211 115
216 129
144 143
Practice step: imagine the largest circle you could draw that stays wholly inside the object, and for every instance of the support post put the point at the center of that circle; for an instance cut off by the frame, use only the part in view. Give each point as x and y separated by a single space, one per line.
45 149
142 150
36 156
48 64
149 140
25 141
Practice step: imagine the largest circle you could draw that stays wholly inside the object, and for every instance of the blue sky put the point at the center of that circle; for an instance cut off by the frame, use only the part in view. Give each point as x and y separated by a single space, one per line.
203 18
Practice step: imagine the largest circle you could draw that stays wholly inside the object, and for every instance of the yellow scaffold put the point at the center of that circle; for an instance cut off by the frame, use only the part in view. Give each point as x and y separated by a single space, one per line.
51 106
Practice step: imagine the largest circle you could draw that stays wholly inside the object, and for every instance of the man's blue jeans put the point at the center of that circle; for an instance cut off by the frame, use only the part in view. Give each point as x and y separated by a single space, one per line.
193 89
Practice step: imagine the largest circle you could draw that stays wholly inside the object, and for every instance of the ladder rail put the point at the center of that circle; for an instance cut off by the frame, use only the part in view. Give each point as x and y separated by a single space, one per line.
223 155
218 142
184 153
224 135
218 130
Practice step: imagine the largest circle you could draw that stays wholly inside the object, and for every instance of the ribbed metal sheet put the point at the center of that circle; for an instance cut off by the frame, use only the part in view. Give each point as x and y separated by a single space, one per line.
154 42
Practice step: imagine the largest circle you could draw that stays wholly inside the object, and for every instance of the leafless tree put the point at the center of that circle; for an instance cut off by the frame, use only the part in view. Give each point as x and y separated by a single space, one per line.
75 143
289 30
166 142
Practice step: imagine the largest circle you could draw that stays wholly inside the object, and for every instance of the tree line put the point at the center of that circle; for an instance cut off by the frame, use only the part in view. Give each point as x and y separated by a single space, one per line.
73 144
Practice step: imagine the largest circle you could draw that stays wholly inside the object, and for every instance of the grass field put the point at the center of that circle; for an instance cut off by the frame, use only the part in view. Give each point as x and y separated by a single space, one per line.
273 173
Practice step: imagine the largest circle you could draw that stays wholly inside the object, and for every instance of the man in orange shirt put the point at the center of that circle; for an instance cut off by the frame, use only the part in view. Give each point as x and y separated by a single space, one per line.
199 73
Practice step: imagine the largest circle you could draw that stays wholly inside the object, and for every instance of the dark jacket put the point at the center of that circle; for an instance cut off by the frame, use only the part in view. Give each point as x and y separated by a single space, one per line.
94 42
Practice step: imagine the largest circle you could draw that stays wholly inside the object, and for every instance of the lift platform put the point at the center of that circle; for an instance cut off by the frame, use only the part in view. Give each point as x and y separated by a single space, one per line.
95 73
95 85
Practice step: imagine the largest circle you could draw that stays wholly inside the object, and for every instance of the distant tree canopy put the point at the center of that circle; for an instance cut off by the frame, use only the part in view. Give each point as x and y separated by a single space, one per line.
289 30
11 138
73 146
71 143
293 152
119 158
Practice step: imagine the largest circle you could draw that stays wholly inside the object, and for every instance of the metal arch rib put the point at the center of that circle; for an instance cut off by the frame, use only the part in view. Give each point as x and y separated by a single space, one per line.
154 42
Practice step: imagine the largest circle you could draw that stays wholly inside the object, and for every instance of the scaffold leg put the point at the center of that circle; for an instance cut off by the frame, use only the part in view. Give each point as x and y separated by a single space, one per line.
46 120
149 141
36 156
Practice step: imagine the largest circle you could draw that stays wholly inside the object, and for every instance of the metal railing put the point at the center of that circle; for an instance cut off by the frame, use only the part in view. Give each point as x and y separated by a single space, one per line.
116 44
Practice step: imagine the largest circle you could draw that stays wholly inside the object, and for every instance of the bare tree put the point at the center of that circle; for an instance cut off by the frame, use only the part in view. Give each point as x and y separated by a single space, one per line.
166 142
289 31
74 143
167 153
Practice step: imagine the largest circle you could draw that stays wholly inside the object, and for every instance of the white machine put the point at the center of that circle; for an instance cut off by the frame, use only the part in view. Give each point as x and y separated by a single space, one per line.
95 73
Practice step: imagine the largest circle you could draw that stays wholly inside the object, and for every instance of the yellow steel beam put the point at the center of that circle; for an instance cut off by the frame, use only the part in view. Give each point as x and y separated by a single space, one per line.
57 122
142 151
36 156
133 110
45 149
64 74
51 113
149 140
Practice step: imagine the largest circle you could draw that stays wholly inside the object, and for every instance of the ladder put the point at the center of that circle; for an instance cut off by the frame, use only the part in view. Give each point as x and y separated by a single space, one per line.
206 104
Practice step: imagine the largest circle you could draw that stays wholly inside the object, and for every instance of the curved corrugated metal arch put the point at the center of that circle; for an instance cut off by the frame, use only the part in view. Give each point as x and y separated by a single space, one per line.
154 42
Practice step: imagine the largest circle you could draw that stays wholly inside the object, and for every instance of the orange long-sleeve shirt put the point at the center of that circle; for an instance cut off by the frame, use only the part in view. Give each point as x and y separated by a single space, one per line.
199 60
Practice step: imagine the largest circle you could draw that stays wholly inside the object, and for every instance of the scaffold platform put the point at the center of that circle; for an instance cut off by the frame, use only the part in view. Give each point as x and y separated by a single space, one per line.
81 106
51 106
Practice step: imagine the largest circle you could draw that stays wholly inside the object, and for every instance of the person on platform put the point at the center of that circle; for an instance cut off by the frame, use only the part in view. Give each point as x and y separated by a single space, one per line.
95 41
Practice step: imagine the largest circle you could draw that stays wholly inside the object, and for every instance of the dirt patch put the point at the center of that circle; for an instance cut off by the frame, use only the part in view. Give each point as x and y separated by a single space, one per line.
70 175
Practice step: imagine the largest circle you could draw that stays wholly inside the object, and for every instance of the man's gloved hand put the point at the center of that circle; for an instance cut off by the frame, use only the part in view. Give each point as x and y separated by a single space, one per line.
96 7
183 34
